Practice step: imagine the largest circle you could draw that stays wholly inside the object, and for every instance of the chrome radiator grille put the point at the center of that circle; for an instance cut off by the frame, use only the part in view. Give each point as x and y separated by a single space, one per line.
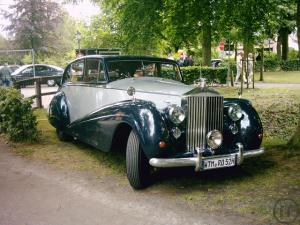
205 113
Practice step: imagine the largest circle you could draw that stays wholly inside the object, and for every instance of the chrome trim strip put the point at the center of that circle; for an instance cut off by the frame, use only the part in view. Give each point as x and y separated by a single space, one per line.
253 153
194 161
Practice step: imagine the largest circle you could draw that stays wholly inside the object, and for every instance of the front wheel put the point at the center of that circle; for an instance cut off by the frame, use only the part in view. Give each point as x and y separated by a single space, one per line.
137 165
51 83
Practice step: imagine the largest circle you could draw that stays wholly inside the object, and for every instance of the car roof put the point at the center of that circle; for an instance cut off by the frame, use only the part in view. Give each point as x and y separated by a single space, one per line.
123 57
28 65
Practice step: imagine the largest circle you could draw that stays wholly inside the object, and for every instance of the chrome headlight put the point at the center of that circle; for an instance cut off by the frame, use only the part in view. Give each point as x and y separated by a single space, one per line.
214 139
176 114
235 112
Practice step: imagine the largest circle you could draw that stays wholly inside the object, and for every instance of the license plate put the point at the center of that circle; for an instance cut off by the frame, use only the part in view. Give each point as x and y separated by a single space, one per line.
218 163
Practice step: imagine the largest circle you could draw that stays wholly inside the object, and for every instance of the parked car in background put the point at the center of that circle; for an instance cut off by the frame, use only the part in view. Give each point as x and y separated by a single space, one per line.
13 68
216 62
41 70
139 105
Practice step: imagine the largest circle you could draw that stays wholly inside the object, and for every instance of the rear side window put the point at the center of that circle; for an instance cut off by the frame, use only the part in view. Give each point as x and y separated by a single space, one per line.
94 72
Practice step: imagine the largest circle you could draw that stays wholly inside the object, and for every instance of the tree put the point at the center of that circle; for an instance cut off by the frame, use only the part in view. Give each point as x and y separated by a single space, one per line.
250 17
3 43
33 24
298 26
295 140
282 19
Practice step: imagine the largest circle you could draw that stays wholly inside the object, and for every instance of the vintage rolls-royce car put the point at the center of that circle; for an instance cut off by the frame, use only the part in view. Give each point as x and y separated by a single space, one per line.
140 105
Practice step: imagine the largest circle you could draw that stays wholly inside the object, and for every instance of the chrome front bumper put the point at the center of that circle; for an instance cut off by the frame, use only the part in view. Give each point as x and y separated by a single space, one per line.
197 160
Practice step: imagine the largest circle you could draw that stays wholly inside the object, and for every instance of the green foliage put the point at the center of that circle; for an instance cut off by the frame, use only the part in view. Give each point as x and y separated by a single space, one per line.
213 75
269 65
291 65
16 116
27 59
293 54
33 24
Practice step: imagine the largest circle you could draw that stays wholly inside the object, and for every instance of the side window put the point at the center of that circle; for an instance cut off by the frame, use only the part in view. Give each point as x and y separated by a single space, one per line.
94 71
150 69
67 74
28 70
76 71
170 71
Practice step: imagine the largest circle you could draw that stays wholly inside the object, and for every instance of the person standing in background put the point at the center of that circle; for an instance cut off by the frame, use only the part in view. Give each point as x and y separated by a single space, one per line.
5 75
250 67
239 67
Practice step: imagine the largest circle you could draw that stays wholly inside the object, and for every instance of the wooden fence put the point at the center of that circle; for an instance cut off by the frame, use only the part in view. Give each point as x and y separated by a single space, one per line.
37 81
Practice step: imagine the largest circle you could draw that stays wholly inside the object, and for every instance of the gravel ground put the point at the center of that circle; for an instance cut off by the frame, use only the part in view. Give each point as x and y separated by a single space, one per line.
33 192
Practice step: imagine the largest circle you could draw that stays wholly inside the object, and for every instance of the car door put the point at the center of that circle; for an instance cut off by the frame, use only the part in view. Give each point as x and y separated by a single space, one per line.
84 81
42 71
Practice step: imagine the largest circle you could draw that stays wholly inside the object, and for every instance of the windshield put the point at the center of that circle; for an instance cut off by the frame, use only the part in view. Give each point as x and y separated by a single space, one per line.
123 69
20 69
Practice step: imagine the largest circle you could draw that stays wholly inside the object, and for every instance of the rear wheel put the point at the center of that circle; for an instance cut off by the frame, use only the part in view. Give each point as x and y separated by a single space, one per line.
62 136
137 165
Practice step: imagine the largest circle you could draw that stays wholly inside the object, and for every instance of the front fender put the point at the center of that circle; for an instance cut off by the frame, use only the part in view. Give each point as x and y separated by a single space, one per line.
98 128
250 126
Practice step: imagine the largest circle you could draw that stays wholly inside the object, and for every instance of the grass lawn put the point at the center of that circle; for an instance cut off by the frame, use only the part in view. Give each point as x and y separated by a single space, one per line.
250 190
280 77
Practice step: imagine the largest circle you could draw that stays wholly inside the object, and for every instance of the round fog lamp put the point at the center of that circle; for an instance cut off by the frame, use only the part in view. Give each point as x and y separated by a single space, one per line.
176 132
235 112
214 139
234 129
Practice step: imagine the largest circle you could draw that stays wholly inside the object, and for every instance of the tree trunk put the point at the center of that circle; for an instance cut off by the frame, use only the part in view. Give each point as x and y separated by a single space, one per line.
206 43
295 140
298 26
261 77
284 33
248 47
235 50
278 47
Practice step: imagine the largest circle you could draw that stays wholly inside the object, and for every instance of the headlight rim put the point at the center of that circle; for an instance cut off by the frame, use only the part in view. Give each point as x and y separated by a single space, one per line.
176 120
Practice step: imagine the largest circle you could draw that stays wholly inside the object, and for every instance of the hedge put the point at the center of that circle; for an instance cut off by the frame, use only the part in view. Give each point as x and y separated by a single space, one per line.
272 65
291 65
212 75
17 120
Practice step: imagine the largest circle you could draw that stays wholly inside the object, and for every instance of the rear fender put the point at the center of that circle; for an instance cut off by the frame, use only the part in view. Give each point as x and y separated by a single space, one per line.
58 111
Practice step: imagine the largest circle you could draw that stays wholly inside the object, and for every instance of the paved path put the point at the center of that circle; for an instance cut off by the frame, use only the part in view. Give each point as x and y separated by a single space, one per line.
263 84
34 193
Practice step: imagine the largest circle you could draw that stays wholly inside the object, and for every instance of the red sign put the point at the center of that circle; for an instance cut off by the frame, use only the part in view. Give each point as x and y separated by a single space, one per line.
221 46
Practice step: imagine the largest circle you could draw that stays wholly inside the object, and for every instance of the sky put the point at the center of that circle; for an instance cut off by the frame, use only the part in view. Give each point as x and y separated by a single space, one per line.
83 11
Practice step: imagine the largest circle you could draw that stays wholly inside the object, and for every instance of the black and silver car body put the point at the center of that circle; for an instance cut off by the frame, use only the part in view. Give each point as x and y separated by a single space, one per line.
140 105
41 70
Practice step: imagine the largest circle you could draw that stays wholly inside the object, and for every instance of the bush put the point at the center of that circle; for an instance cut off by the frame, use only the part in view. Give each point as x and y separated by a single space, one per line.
290 65
16 116
213 75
